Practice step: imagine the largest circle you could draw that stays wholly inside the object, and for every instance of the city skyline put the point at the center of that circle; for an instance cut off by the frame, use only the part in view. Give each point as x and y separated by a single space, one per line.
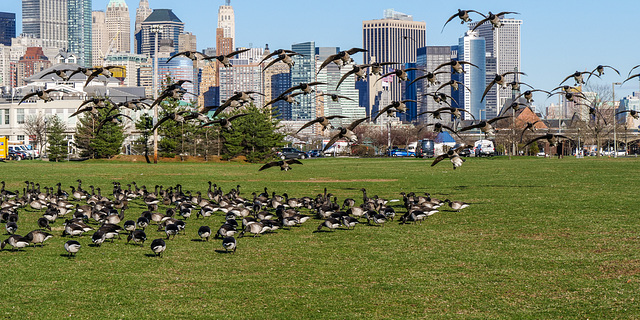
553 46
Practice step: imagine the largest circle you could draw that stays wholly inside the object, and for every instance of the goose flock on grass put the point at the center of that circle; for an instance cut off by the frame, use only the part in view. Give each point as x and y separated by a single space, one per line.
81 211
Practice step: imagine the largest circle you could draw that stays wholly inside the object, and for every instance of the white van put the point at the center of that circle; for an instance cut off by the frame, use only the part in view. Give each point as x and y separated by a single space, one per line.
411 148
484 148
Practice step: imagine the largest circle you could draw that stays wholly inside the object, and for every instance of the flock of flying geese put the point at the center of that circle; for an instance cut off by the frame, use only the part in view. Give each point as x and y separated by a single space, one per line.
84 211
360 71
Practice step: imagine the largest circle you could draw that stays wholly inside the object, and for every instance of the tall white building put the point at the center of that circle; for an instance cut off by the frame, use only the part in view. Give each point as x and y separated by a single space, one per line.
472 48
99 37
142 12
503 55
118 26
47 20
227 22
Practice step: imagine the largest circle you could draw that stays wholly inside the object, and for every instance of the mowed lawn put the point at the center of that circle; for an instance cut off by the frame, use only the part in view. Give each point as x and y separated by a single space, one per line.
542 239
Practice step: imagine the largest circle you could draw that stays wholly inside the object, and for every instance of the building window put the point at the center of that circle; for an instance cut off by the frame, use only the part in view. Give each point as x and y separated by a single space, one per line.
20 116
6 116
21 138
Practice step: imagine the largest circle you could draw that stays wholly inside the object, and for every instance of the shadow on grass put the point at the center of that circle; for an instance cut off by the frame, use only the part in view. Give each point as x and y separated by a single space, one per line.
152 255
224 251
198 240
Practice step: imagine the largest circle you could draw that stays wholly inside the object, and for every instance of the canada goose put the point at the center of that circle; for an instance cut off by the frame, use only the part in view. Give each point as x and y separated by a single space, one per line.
494 19
635 114
378 218
226 230
40 94
224 59
137 236
225 123
455 85
62 73
330 223
453 155
256 228
431 78
16 242
306 88
456 205
158 246
400 74
529 126
285 165
44 223
499 79
289 98
456 65
37 236
193 55
577 76
484 126
600 71
73 230
98 237
142 223
463 15
391 109
72 247
341 58
553 139
323 121
358 70
11 227
104 71
204 232
345 133
171 230
229 243
528 95
129 226
349 222
285 58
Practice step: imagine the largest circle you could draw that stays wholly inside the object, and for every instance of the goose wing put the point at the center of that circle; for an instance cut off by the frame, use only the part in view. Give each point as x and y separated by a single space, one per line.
354 124
270 164
237 52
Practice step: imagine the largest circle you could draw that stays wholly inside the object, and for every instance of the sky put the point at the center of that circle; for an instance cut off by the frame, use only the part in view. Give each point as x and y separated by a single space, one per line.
557 37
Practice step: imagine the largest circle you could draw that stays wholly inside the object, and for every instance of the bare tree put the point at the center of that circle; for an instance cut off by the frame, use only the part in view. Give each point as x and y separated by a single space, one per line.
600 111
36 127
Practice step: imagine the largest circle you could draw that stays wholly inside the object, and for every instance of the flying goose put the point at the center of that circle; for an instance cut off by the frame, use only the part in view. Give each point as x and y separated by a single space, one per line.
285 165
463 15
553 139
456 65
455 85
224 59
323 121
391 109
484 126
284 57
359 70
335 97
401 74
225 123
577 76
62 73
306 88
528 95
635 114
431 78
193 55
341 58
600 71
285 97
40 94
499 79
345 133
529 126
105 71
452 155
377 67
494 19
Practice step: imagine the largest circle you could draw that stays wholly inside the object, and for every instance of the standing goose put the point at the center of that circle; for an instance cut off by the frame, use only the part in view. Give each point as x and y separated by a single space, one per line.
158 246
349 222
204 232
129 226
37 236
98 237
229 243
138 236
330 223
456 205
142 223
11 227
43 223
171 230
16 242
72 247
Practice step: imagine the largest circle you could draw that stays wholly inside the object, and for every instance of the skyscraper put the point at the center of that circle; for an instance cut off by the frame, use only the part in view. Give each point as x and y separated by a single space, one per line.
7 27
429 58
395 38
118 26
171 28
471 48
503 55
79 30
47 20
99 37
142 12
304 71
227 22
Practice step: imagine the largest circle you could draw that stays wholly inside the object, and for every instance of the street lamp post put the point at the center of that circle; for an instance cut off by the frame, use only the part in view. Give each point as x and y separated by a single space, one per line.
156 30
615 123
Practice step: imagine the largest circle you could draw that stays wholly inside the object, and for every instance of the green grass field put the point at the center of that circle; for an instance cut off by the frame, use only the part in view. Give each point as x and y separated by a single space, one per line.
543 239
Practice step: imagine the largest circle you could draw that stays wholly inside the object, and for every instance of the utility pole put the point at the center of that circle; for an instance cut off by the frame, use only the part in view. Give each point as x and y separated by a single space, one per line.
156 30
615 122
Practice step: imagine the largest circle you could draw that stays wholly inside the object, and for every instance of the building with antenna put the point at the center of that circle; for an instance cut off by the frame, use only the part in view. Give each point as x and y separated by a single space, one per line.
227 22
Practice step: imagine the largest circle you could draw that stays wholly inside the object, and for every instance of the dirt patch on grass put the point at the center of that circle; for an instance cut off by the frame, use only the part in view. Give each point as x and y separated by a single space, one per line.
620 268
346 180
190 159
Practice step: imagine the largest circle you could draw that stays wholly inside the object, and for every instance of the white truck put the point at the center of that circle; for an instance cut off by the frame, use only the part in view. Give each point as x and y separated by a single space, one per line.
484 148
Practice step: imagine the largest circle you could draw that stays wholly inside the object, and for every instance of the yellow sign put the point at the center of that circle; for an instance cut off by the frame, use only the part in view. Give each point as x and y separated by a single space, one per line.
4 148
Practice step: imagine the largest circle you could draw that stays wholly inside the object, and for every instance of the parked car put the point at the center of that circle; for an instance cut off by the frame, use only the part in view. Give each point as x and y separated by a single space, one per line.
399 153
425 148
16 155
466 152
315 153
292 153
484 148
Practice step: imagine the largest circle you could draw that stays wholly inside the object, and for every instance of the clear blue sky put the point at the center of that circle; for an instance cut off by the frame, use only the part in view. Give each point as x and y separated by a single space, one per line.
557 37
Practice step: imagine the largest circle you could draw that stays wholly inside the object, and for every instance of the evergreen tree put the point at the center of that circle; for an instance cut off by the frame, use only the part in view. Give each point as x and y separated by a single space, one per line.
144 125
254 136
103 144
57 150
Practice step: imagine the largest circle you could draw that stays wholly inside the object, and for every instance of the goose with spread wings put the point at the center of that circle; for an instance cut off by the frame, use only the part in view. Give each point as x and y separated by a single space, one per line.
285 165
553 139
323 121
452 155
359 70
431 78
528 95
401 74
635 114
104 71
306 88
391 109
40 94
577 76
599 71
62 73
335 97
440 97
456 65
224 58
463 15
345 133
290 98
225 123
193 55
377 67
494 19
112 118
455 85
341 58
484 126
499 79
529 126
285 58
